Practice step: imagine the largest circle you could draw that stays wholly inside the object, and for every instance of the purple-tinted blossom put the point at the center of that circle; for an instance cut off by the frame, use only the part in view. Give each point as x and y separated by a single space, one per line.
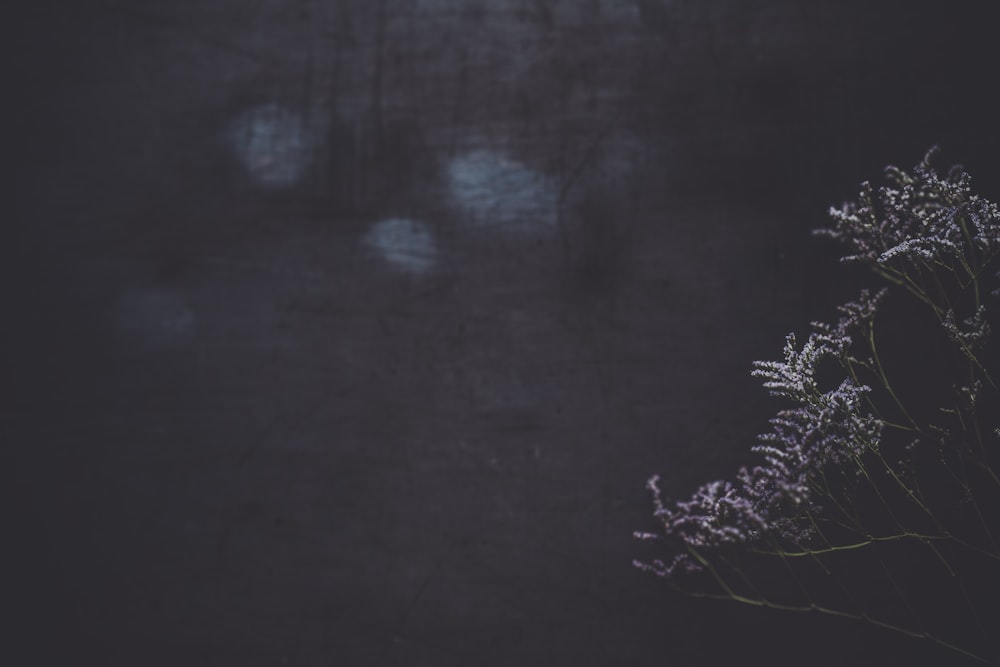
928 249
917 219
795 377
830 429
679 564
856 224
775 498
985 218
971 332
718 513
854 315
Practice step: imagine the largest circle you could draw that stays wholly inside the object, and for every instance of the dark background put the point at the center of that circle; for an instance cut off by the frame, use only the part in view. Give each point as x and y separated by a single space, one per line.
347 332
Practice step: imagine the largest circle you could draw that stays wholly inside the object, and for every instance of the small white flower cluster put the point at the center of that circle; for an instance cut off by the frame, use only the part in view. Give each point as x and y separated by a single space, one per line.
775 498
795 377
968 394
822 468
973 330
920 218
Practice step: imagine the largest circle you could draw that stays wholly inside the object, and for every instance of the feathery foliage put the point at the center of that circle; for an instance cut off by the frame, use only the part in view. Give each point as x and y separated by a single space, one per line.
876 496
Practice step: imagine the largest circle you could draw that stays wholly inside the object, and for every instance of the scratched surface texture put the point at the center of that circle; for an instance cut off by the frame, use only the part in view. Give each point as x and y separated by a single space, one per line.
347 332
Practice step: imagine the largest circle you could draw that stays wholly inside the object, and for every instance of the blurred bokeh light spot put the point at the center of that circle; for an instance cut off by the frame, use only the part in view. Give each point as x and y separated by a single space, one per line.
272 143
406 245
495 191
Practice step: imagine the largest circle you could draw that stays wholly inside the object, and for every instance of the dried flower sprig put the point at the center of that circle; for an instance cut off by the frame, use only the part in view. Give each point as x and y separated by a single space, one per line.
840 485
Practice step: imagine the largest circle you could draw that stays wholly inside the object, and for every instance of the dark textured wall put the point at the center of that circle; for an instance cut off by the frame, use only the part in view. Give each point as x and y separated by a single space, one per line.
347 332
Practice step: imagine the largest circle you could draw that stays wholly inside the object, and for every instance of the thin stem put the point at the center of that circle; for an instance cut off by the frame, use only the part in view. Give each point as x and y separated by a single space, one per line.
864 617
855 545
